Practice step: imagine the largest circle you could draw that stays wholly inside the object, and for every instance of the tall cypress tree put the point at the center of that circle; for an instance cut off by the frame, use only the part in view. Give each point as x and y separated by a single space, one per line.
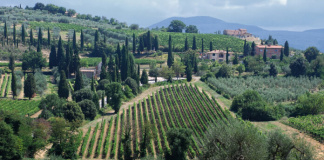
96 37
105 39
227 55
14 33
119 55
60 52
202 45
52 57
286 49
138 74
78 81
189 72
68 59
244 49
103 73
210 46
253 49
31 37
170 56
74 40
141 44
76 61
134 43
132 67
40 36
93 89
5 30
125 64
194 46
281 55
265 54
23 34
156 43
117 60
63 89
126 42
186 44
30 86
48 37
149 41
111 68
13 85
235 60
82 41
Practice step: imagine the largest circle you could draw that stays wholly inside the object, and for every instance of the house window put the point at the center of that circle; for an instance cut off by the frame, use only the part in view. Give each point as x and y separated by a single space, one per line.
221 55
213 54
261 50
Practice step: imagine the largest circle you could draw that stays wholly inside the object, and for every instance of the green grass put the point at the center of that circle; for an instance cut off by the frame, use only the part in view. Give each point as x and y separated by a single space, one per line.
62 26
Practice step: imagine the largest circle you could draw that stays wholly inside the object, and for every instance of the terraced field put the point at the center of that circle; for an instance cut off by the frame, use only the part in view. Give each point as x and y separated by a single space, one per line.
180 106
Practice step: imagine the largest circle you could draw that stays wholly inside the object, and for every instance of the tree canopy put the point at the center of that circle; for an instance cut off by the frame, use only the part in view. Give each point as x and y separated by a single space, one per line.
176 26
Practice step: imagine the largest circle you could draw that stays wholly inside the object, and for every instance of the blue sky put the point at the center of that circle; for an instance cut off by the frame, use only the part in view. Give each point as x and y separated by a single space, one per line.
294 15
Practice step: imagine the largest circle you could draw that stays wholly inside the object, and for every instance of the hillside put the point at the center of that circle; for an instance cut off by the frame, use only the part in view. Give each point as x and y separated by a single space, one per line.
298 40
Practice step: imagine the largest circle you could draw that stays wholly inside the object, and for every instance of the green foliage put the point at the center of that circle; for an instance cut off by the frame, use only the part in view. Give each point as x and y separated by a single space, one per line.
114 94
78 81
179 141
311 53
83 94
88 108
191 29
10 143
72 112
132 84
63 88
51 25
298 67
33 60
176 26
310 104
271 89
41 83
144 77
273 70
224 72
19 106
30 86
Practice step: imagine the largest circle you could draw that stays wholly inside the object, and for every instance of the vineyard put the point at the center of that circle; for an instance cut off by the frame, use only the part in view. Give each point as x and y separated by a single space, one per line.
180 106
272 89
23 107
5 85
311 124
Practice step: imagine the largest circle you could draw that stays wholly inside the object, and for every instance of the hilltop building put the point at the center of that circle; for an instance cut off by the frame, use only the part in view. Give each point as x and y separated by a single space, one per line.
273 51
217 55
240 33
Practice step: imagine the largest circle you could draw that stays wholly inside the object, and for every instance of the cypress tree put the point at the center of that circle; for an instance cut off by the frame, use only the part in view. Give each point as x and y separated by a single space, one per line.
149 41
118 74
170 56
96 37
105 39
31 37
125 64
103 73
93 89
132 66
82 41
227 60
134 43
48 37
60 51
103 100
141 44
13 85
235 60
281 55
117 60
186 44
189 72
14 33
194 47
52 57
210 46
5 30
11 62
40 36
78 81
244 49
68 59
63 89
195 63
138 74
38 47
156 43
202 45
74 40
265 54
253 49
76 61
144 78
111 68
30 86
126 42
23 34
118 52
286 49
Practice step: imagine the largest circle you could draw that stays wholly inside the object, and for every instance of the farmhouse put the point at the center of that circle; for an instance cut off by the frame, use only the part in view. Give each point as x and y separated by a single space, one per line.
240 33
217 55
272 51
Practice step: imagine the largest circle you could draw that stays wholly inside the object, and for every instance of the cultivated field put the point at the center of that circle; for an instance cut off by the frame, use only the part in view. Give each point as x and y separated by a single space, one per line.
180 106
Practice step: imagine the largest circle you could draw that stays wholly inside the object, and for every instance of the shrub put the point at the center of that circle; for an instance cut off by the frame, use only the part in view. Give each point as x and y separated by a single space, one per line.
88 109
82 94
310 104
132 84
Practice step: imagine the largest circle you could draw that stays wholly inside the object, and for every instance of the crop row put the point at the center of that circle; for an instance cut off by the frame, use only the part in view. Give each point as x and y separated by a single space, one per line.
180 106
23 107
4 83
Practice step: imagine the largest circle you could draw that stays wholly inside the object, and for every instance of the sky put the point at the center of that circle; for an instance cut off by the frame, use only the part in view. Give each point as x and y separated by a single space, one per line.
293 15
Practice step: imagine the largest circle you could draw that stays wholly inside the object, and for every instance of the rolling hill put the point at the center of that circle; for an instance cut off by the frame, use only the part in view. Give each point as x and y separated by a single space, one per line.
298 40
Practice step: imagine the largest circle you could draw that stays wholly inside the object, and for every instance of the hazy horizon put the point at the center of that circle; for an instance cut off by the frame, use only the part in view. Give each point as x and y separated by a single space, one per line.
268 14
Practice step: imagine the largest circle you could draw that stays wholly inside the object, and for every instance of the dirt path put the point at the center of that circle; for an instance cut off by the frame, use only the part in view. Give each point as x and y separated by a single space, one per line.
84 155
36 114
103 139
41 154
268 126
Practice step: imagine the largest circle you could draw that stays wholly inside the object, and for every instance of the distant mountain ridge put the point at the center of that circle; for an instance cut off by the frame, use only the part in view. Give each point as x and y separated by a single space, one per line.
298 40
